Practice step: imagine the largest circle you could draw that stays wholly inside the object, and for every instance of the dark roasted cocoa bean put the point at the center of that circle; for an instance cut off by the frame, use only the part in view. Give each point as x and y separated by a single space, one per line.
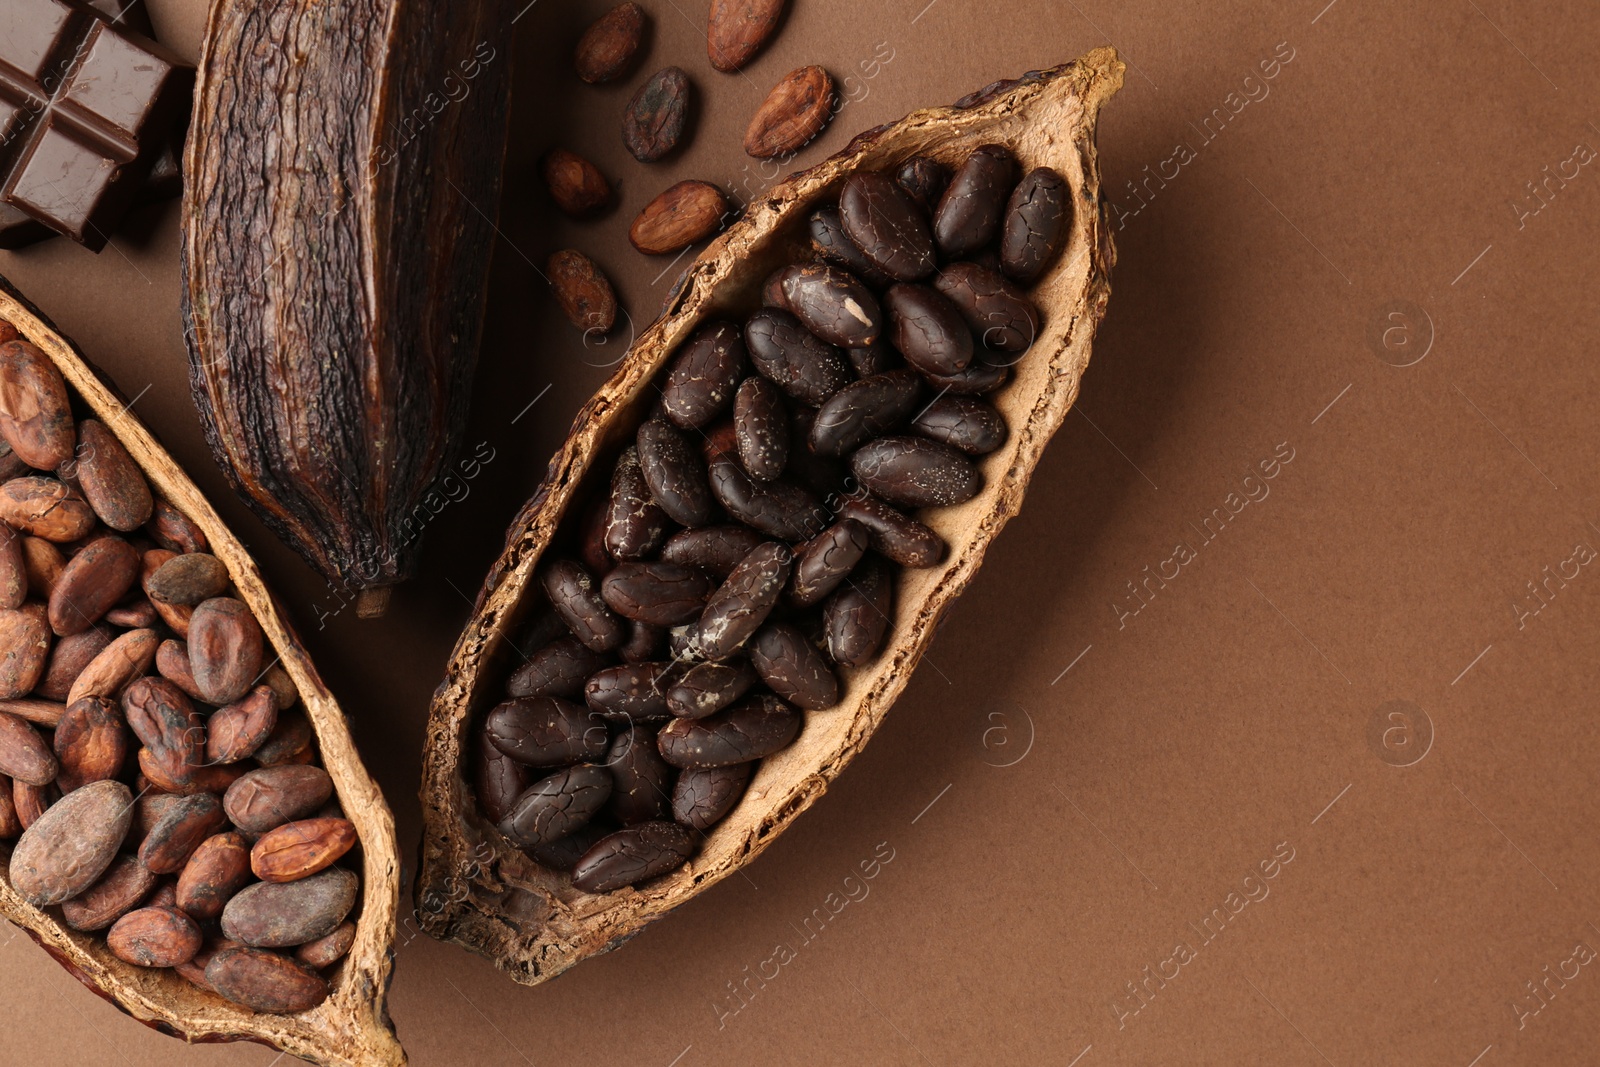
641 781
631 692
962 422
702 798
575 595
91 582
575 184
265 981
69 846
675 475
225 649
45 507
793 667
778 508
863 410
24 753
556 670
714 549
856 618
217 870
833 304
928 329
179 831
893 533
737 29
1037 221
125 883
823 475
1002 316
829 240
267 798
655 118
707 688
300 849
886 224
68 658
498 778
564 853
631 856
556 806
761 426
792 115
751 730
235 732
824 561
704 374
24 650
970 210
914 472
608 47
35 414
592 537
645 642
110 480
772 295
546 732
742 602
285 914
636 525
802 365
925 181
154 937
979 378
880 358
662 594
91 743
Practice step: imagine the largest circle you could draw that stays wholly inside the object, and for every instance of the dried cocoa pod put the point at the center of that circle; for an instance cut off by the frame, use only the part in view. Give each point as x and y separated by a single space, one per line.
575 184
607 48
654 119
1045 119
795 112
738 29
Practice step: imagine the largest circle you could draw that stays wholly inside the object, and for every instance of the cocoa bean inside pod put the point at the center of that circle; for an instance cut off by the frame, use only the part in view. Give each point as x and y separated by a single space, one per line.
140 881
824 595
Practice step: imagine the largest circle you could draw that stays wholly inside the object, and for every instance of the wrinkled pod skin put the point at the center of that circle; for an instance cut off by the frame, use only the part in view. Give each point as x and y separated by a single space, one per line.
344 455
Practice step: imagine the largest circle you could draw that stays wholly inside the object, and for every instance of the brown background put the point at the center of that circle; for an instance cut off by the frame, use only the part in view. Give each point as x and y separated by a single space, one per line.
1231 717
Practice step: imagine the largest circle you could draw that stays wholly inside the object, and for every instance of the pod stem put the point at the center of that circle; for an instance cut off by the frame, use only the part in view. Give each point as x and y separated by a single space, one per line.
373 601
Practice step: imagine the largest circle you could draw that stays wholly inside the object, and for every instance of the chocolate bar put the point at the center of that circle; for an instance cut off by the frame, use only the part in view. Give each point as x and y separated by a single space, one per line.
87 110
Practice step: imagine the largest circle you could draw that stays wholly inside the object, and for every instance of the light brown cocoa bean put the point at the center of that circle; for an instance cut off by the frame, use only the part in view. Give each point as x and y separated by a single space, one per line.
32 801
795 112
225 646
285 914
35 414
91 583
154 937
69 847
235 732
326 951
173 733
160 774
173 530
188 579
737 29
180 830
264 799
10 824
24 647
195 969
24 754
119 890
13 569
172 663
43 563
68 659
299 849
45 713
687 212
283 688
110 481
265 981
133 615
214 873
176 616
147 811
289 742
111 672
45 507
583 291
91 742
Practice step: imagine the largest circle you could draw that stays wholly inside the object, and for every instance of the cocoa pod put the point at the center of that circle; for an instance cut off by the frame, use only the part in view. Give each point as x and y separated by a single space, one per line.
655 118
24 755
116 666
795 112
91 742
154 937
737 29
224 649
687 212
286 914
35 414
70 846
92 581
235 732
298 849
45 507
24 646
607 48
216 870
582 290
265 981
109 479
125 883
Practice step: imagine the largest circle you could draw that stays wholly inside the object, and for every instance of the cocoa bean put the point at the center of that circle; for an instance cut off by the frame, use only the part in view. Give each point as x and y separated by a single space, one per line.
265 981
915 472
265 799
116 666
607 48
742 602
631 692
69 657
119 890
13 569
289 742
793 667
793 114
69 846
154 937
497 778
92 581
43 562
299 849
235 732
655 118
175 531
885 223
737 29
556 670
702 798
285 914
35 414
962 422
640 779
556 806
45 507
707 688
675 476
177 616
583 291
703 375
687 212
188 579
662 594
631 856
109 479
856 619
751 730
91 742
24 754
823 562
32 801
971 208
225 648
216 870
635 524
172 663
575 184
183 825
546 732
24 646
574 594
10 824
164 720
326 951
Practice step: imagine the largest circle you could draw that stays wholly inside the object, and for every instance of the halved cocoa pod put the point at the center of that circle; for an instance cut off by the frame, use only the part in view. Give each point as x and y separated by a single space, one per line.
483 892
349 1027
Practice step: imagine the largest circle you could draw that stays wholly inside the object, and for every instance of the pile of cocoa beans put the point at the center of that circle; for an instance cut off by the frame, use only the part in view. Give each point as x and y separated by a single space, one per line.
744 555
159 786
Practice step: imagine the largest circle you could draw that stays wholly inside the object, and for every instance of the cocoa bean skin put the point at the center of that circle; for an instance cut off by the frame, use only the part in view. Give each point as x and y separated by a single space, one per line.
656 116
970 211
546 732
91 582
24 754
925 181
125 883
24 646
742 603
713 549
863 410
895 534
556 806
497 778
180 830
188 579
676 477
641 781
751 730
833 304
556 670
631 856
267 798
110 481
225 648
915 472
583 291
928 329
219 867
883 221
785 352
298 850
1002 316
636 525
825 561
575 595
703 375
707 688
632 692
793 114
69 847
738 29
265 981
35 414
608 47
1036 225
91 742
962 422
685 213
761 427
154 937
285 914
661 594
856 619
702 798
575 184
779 508
793 667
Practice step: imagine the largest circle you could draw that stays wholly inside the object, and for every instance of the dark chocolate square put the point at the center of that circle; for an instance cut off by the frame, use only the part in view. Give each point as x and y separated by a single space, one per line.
35 39
116 82
65 176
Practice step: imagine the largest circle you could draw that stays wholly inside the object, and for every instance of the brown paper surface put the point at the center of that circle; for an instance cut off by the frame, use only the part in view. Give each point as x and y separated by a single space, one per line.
1267 734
